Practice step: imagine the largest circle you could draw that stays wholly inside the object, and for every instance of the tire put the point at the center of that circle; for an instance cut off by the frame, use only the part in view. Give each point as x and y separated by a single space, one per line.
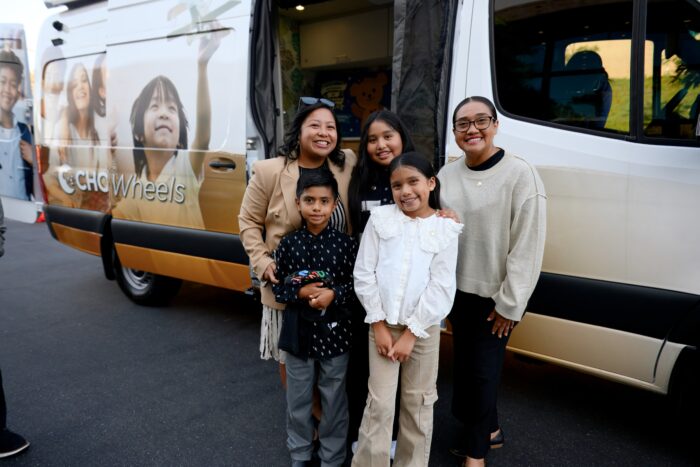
145 288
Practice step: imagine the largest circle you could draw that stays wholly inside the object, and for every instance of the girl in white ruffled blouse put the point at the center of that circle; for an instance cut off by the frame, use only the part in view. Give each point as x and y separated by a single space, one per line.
405 279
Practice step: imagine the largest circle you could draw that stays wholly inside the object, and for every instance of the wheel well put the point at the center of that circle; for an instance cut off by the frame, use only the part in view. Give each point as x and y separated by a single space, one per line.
685 384
107 249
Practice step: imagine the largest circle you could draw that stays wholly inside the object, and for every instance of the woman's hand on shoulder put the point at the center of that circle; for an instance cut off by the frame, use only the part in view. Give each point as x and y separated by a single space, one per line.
501 326
449 214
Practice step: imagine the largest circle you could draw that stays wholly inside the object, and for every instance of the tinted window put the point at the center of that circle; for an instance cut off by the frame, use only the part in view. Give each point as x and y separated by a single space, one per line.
672 69
565 62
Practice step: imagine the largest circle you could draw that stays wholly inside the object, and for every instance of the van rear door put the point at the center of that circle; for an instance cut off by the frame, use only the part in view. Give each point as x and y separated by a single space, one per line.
18 187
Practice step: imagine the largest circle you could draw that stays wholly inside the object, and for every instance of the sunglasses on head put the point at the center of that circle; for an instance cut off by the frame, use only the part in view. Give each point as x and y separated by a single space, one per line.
306 100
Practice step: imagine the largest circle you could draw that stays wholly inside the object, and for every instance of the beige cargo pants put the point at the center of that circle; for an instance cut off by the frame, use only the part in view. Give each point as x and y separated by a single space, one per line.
418 395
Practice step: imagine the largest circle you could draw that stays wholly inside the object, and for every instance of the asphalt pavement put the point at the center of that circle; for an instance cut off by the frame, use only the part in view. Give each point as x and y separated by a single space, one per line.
94 380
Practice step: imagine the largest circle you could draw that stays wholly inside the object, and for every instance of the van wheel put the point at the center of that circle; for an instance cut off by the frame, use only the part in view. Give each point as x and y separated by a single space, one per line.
145 288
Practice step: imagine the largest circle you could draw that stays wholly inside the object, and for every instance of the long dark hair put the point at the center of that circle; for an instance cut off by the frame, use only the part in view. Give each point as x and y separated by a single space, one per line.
290 146
367 173
100 103
423 165
167 91
73 114
481 99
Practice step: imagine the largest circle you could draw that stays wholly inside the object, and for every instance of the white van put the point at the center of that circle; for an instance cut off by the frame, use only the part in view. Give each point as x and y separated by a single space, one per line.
601 95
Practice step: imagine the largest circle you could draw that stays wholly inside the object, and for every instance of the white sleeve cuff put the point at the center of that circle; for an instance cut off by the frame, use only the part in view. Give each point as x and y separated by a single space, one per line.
374 317
417 329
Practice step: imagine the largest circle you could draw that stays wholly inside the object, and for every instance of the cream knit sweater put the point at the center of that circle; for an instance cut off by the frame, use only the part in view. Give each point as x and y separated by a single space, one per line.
504 214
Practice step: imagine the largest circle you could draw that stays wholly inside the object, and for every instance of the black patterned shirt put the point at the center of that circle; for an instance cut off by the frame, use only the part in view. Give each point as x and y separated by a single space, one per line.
327 335
376 194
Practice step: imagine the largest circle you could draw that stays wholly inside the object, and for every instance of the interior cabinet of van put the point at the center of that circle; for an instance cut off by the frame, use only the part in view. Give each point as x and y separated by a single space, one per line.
361 38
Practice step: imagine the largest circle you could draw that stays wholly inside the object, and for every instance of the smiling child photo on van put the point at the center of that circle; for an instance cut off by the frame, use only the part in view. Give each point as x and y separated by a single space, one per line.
16 150
167 171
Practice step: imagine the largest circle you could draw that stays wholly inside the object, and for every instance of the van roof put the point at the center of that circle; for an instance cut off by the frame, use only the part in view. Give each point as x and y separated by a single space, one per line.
70 3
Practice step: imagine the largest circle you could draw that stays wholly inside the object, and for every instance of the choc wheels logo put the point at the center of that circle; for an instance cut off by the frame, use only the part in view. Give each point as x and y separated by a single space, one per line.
83 180
129 187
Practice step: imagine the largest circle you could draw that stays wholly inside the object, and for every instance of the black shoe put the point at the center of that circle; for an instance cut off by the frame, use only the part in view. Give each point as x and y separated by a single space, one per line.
498 440
458 451
11 443
495 443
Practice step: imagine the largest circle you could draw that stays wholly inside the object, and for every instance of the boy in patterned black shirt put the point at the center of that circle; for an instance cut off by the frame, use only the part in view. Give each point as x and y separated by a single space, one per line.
315 265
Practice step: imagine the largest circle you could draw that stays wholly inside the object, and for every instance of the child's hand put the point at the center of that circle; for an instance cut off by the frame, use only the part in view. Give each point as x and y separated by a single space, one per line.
322 300
402 348
382 338
309 290
210 42
26 150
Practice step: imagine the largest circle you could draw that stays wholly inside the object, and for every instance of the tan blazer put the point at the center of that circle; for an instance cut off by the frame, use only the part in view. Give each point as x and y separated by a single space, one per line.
269 205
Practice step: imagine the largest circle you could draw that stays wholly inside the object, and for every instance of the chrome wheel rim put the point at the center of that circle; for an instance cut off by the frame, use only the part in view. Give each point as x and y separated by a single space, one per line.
138 280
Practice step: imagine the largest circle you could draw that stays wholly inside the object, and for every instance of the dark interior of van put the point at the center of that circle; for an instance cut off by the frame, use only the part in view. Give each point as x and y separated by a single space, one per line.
358 54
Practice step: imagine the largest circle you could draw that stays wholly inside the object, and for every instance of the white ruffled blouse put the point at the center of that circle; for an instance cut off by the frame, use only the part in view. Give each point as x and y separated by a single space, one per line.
405 268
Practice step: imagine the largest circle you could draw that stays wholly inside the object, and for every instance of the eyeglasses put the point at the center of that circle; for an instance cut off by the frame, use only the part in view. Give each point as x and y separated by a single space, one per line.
480 123
306 100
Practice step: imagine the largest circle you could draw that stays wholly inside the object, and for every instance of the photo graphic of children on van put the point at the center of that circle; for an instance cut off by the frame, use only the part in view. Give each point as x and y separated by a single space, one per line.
75 156
81 152
50 108
168 172
16 149
99 100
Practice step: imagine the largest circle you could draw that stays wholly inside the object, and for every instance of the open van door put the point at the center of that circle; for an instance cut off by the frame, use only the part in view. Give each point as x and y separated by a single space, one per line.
18 187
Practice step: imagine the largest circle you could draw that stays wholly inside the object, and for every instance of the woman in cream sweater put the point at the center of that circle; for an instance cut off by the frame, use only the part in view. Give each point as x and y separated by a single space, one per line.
501 200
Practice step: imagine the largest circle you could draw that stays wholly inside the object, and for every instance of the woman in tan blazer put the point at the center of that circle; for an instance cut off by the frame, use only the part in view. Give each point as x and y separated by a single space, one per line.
269 210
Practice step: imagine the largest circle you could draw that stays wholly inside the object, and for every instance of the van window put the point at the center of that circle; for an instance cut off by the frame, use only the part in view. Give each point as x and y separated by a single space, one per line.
672 74
569 63
73 132
68 84
565 63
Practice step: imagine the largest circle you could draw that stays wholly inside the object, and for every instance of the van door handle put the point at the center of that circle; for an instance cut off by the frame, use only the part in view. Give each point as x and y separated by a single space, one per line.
230 165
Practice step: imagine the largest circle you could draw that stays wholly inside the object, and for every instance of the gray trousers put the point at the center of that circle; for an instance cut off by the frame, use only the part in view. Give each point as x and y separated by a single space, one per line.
333 428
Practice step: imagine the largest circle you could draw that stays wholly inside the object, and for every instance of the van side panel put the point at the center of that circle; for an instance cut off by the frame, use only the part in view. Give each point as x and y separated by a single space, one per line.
620 213
193 268
80 229
160 153
187 168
